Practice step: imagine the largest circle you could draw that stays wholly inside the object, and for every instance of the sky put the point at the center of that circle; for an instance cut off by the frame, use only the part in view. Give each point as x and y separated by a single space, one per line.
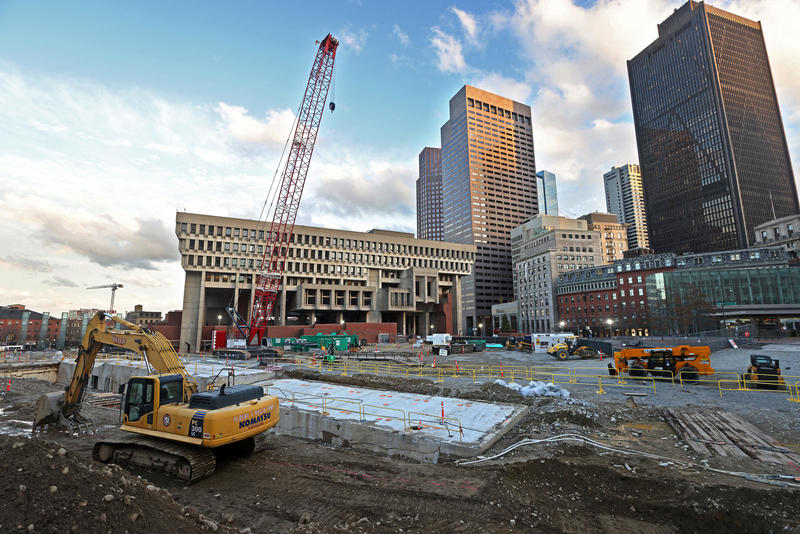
115 115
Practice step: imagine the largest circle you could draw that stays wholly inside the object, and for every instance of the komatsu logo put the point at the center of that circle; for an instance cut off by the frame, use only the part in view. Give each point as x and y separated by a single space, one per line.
118 340
258 420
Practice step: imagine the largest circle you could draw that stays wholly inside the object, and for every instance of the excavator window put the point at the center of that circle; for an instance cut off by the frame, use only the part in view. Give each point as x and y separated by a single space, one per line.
170 390
140 398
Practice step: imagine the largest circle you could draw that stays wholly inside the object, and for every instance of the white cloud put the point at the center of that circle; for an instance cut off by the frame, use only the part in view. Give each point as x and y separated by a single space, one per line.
468 22
508 87
354 40
448 52
272 131
401 35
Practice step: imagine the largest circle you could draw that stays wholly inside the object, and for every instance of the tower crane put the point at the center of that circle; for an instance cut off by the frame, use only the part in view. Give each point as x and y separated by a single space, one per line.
113 288
278 238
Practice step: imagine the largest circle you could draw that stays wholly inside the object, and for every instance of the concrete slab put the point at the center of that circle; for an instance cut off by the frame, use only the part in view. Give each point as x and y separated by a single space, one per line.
392 422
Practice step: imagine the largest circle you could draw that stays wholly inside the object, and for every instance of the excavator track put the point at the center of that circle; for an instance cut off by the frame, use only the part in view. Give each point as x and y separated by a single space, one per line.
184 462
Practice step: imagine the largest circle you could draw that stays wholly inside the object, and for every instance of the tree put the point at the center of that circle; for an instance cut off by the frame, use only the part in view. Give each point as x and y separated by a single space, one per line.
505 325
8 334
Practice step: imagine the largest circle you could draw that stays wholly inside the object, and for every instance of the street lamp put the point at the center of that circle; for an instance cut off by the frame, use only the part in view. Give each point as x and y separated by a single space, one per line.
562 324
219 319
342 325
480 327
609 322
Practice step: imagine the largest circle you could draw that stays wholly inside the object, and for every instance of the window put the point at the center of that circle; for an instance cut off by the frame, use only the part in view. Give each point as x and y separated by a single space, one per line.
202 229
777 232
789 229
183 228
193 228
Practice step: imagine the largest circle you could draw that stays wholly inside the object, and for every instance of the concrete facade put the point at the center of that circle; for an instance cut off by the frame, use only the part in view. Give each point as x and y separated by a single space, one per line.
782 232
613 234
488 187
542 248
331 276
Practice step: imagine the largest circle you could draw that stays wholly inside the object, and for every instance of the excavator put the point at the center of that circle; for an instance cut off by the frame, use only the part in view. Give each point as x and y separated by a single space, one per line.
174 427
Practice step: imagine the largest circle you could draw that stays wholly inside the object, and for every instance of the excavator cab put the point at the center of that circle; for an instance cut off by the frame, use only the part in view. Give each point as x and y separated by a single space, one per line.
146 394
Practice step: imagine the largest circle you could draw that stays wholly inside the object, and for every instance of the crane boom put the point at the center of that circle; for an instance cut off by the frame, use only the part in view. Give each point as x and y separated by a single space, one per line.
292 182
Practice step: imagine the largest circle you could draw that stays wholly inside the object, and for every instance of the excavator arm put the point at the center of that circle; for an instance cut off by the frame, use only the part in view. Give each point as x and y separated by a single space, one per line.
155 349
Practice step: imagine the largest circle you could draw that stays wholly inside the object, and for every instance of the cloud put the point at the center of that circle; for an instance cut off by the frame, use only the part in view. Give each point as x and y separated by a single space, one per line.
28 264
354 40
272 131
469 24
450 57
401 35
60 281
508 87
117 245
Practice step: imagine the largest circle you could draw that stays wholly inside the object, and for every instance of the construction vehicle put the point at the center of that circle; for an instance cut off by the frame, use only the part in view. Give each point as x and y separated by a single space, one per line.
763 372
174 427
289 191
687 362
563 351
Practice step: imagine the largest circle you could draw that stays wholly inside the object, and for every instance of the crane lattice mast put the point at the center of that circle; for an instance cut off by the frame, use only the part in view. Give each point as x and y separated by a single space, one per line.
291 188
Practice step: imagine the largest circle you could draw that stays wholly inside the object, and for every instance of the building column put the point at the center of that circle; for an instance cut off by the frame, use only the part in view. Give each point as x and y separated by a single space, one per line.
404 324
427 317
458 309
201 313
283 303
252 298
236 292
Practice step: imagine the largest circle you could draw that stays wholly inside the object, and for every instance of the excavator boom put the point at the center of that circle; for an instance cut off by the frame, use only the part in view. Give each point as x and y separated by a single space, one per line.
156 350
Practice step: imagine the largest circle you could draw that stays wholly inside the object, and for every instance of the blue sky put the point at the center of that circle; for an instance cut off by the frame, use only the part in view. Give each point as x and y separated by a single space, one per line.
118 114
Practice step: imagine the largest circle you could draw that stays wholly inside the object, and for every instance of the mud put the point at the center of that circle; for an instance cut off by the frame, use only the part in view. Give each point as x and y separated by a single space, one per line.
46 488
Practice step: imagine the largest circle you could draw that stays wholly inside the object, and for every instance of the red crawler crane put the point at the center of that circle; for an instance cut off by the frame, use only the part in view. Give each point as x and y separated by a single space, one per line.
287 202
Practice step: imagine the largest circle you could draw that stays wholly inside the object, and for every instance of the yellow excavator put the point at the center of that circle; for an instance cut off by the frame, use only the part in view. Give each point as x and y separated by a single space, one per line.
174 427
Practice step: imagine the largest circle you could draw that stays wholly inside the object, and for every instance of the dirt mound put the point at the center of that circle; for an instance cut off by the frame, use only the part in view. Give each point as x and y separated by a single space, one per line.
407 385
574 496
45 488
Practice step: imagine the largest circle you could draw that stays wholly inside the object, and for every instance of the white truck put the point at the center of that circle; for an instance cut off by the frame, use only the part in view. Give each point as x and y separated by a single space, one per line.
440 343
542 342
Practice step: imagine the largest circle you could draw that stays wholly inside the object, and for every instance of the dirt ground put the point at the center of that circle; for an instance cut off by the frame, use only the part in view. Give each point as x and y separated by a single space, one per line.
298 486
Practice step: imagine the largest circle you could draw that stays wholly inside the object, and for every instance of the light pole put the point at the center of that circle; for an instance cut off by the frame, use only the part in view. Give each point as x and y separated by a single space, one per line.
609 322
219 319
562 324
342 324
480 328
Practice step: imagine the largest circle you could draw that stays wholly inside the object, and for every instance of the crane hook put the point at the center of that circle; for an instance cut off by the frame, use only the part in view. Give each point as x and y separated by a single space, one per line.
332 106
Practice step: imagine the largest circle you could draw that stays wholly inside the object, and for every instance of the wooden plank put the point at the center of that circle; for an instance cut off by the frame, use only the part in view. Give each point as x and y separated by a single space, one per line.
699 425
683 432
755 442
714 433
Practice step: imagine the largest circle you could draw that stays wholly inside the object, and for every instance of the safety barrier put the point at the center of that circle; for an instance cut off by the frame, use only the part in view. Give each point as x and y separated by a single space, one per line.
706 379
435 422
761 386
558 374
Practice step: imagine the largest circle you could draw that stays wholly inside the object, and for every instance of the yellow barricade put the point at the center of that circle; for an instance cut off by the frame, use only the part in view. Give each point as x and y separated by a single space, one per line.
708 379
330 403
622 381
436 421
380 415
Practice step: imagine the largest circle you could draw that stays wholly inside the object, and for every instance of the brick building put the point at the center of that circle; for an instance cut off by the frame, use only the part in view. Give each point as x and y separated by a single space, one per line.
20 326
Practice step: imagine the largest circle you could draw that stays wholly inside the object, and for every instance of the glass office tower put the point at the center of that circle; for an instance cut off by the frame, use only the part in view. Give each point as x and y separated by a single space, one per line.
712 149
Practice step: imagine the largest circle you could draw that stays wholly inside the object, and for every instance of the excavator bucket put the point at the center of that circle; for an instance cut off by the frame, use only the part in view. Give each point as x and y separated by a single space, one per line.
48 409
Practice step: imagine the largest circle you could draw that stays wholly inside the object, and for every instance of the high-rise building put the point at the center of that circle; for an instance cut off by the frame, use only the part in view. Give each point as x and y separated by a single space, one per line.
613 234
488 188
546 190
624 198
429 195
712 148
544 247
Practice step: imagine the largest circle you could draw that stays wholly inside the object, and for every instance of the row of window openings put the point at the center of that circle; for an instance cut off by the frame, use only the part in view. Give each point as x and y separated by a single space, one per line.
777 233
368 258
338 296
305 239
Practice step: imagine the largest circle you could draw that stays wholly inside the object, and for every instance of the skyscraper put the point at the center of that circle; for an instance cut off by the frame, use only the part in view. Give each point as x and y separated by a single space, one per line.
488 188
429 194
546 189
625 199
711 143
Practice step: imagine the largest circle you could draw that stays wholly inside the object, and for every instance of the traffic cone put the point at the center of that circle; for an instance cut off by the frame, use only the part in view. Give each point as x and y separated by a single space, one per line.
8 386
